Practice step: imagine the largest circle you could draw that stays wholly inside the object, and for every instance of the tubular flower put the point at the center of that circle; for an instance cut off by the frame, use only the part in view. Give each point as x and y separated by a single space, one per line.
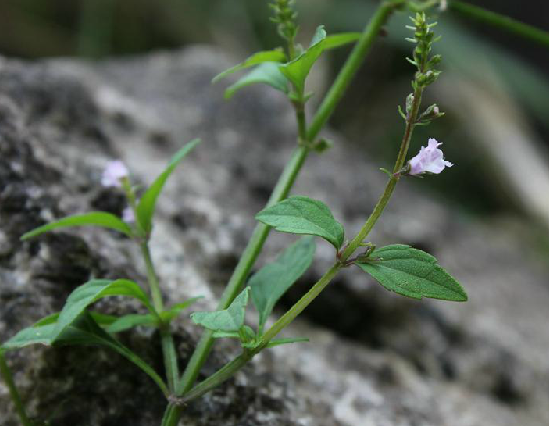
430 159
113 174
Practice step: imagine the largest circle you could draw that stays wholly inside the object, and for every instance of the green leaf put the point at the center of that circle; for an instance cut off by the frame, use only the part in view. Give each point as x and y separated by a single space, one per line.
266 73
412 273
278 342
297 70
101 219
94 290
230 319
176 309
218 334
275 55
132 320
302 215
273 280
147 204
83 331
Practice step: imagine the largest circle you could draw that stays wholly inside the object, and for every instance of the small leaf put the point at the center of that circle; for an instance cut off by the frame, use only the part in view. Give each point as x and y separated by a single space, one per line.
176 309
101 219
275 55
273 280
147 204
266 73
278 342
303 215
132 320
412 273
230 319
94 290
297 70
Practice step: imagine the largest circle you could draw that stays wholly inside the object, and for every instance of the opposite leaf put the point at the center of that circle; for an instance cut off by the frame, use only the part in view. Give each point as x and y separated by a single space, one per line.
412 273
266 73
279 342
147 204
101 219
298 69
275 55
230 319
303 215
273 280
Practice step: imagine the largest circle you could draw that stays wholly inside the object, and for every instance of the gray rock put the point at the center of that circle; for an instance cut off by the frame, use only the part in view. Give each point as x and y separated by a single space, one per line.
374 358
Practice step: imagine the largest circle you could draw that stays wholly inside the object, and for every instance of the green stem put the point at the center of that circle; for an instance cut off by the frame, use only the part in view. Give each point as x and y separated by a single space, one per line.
282 189
390 187
500 21
351 66
5 372
168 346
243 268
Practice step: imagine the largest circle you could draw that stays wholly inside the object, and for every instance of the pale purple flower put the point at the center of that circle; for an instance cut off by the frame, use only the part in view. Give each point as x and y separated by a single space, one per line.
128 215
430 159
114 173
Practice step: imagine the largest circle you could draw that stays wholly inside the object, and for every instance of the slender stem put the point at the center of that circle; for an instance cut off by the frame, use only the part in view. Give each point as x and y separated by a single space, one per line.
14 393
351 66
280 192
390 187
501 21
168 346
243 267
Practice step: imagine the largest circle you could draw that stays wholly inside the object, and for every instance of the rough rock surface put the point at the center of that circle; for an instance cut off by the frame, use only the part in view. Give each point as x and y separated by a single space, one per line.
374 358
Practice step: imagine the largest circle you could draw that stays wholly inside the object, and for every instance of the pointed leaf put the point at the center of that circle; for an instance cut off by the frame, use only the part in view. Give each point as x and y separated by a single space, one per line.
297 70
273 280
278 342
176 309
94 290
303 215
101 219
275 55
132 320
266 73
412 273
147 204
230 319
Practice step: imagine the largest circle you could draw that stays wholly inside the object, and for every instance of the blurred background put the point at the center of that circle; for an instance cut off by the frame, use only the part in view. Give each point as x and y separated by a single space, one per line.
495 90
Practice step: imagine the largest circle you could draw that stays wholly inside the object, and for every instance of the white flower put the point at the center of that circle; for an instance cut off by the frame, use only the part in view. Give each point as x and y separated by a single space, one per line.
128 215
443 5
113 174
430 159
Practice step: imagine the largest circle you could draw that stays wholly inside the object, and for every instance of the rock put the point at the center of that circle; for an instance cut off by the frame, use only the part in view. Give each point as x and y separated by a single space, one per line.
374 358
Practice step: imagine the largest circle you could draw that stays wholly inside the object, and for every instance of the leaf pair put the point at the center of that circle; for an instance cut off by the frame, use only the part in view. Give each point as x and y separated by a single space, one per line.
267 286
399 268
271 71
145 208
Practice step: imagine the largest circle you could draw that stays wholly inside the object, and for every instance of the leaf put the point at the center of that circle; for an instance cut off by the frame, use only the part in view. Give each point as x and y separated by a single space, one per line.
303 215
83 331
147 204
273 280
132 320
218 334
176 309
275 55
412 273
266 73
278 342
101 219
230 319
94 290
297 70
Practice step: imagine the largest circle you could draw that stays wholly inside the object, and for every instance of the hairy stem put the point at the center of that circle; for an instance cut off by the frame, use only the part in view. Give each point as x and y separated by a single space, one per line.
168 346
5 372
501 21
